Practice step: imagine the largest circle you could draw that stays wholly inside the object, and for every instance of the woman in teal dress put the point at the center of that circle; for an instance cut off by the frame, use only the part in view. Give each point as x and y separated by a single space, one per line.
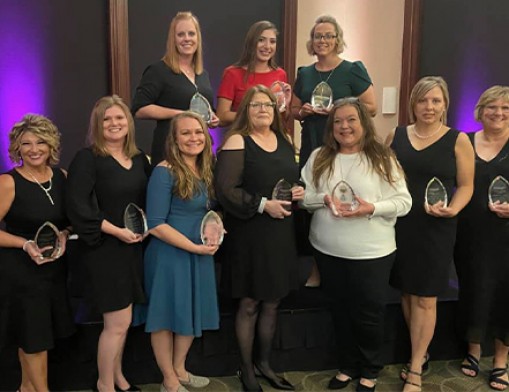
179 271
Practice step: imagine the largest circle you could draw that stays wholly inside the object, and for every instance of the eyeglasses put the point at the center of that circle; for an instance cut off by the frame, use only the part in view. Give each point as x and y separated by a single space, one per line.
265 105
326 36
494 108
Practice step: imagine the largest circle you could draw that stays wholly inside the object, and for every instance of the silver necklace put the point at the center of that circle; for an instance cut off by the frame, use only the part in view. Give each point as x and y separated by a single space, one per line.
328 77
426 136
343 178
46 190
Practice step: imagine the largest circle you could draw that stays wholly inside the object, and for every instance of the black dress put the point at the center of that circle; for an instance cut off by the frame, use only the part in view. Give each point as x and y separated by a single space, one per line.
260 249
482 256
100 188
161 86
425 243
34 306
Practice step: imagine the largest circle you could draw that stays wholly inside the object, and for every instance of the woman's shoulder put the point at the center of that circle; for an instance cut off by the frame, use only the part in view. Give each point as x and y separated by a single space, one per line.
233 70
306 69
234 142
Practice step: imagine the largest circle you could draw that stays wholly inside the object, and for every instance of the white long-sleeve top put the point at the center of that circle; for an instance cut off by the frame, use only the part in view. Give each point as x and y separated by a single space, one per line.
359 237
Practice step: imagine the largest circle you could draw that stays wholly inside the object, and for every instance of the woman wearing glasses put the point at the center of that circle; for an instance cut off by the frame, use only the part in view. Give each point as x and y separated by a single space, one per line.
260 243
482 246
346 79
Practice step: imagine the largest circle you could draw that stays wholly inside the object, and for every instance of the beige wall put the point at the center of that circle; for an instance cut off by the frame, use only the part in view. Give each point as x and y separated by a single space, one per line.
373 31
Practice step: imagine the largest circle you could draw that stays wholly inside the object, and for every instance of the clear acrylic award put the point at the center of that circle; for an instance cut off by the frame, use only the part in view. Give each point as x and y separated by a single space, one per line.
344 193
498 192
283 191
200 105
135 219
278 89
212 229
322 97
435 192
47 236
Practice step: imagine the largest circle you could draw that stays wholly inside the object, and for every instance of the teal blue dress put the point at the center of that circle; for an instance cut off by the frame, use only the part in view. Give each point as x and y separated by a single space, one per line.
180 286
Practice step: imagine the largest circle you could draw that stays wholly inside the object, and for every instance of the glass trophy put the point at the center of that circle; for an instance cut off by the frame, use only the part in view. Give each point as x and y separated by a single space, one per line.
200 105
322 97
278 89
344 193
212 229
283 191
47 236
135 219
498 192
435 192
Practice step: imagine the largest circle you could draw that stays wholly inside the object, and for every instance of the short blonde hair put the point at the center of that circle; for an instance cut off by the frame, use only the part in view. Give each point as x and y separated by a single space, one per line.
421 88
492 94
340 42
40 126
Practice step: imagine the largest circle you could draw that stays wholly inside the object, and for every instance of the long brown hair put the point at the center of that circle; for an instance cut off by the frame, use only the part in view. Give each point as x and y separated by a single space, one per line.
187 185
171 57
380 157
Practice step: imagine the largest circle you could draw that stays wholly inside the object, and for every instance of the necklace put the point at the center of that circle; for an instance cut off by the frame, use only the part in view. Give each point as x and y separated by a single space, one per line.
426 136
46 190
344 178
330 73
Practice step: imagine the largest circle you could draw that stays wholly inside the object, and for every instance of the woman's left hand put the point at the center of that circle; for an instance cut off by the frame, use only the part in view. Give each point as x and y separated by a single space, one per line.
501 209
364 209
214 120
439 211
287 92
298 193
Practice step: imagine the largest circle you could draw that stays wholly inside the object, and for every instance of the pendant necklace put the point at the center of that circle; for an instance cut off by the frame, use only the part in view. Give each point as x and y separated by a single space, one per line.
328 77
46 190
343 184
423 137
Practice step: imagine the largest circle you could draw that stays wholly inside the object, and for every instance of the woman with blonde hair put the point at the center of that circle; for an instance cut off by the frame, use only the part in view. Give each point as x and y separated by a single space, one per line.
428 149
166 87
104 178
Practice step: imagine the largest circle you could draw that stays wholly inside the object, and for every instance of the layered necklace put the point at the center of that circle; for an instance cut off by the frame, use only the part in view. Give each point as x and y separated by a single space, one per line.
46 190
423 137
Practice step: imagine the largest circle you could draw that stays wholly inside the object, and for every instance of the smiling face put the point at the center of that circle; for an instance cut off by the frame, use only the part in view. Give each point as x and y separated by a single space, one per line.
34 151
266 45
324 39
495 115
190 137
115 125
261 111
347 129
430 108
186 37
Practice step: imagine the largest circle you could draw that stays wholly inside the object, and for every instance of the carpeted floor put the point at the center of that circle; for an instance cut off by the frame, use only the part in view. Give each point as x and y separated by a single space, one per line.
442 376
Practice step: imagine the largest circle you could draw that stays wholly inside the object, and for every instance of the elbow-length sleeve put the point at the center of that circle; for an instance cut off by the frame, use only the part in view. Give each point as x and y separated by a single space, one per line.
228 185
81 201
159 196
149 89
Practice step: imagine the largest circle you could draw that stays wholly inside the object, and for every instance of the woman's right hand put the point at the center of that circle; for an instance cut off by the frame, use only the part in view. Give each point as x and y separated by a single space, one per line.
35 253
127 236
205 250
306 110
276 208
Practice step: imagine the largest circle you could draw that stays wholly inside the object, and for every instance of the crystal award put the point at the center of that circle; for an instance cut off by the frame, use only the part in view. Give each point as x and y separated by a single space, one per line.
498 192
200 105
278 89
135 219
283 191
212 229
435 192
47 236
321 98
344 193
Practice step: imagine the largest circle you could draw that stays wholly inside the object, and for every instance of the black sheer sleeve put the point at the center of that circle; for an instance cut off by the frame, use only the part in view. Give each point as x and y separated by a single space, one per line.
81 201
228 185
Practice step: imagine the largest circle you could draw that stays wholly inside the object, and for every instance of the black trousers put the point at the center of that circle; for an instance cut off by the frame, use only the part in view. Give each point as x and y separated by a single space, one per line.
358 290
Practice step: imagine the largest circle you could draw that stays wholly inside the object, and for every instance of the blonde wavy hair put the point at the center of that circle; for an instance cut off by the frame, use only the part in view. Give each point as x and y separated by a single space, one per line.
340 42
492 94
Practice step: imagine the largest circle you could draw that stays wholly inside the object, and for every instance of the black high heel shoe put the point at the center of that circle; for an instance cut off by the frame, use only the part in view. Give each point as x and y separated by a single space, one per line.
246 388
277 383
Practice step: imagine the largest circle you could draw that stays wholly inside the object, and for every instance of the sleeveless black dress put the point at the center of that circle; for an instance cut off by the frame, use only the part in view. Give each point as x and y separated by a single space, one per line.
482 256
34 307
425 243
260 249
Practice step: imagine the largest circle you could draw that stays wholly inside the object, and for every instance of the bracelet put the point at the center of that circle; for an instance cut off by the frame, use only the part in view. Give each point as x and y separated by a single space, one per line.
26 243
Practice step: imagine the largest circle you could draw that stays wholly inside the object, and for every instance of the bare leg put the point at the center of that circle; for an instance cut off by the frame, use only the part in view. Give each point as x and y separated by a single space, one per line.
119 377
474 349
500 361
181 346
109 351
423 313
162 345
34 371
314 276
245 323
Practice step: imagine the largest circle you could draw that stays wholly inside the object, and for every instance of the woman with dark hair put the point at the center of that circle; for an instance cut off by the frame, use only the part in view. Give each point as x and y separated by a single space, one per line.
354 239
33 296
427 149
104 178
482 241
166 87
179 269
257 65
260 244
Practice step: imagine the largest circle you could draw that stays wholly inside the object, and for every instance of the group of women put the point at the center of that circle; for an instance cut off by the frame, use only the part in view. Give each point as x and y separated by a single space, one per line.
366 198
